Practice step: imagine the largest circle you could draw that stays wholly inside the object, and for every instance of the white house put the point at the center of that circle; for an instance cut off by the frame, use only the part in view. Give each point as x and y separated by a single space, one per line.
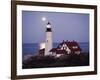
66 47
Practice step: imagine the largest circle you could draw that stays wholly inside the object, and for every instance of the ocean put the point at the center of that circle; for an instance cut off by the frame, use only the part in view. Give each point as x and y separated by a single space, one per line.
32 48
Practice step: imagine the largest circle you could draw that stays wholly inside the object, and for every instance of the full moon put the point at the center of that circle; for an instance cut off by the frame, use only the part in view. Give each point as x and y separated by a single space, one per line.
43 18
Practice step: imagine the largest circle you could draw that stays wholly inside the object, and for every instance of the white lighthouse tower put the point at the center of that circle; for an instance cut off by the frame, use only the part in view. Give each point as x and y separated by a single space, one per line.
48 42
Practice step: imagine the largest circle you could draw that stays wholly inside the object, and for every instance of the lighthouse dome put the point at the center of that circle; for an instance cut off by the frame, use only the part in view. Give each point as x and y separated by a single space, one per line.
48 25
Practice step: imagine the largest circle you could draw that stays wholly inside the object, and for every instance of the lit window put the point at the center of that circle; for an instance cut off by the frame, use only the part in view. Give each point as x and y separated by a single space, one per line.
74 47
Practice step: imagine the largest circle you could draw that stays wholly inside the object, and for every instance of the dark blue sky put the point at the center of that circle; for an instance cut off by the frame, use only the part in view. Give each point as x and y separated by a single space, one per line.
65 26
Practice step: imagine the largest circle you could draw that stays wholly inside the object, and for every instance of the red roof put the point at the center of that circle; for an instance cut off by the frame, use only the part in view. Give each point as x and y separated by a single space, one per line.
70 45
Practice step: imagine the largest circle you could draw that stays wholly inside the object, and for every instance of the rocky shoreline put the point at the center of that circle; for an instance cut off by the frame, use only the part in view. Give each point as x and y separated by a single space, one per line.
36 61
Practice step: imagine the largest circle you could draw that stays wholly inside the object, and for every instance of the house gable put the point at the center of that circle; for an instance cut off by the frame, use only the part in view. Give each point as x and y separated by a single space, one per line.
70 46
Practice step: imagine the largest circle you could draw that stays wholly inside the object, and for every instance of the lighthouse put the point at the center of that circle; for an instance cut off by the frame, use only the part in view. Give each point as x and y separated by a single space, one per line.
48 42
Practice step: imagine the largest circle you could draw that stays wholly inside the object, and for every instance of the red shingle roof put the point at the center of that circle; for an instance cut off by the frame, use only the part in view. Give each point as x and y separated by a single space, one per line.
70 45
